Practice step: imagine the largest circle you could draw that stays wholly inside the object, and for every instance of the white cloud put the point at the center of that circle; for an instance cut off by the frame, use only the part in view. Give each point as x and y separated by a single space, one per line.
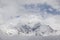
11 8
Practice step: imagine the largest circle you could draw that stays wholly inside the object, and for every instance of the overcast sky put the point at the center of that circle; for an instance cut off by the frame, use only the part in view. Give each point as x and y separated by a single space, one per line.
44 11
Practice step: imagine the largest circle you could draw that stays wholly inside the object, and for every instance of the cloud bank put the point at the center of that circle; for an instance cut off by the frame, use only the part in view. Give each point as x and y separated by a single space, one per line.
14 12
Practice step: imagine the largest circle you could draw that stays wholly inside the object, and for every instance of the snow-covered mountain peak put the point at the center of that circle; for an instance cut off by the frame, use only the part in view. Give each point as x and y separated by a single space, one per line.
27 26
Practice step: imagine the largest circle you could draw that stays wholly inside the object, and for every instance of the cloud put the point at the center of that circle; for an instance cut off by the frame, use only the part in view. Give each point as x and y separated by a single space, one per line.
11 9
